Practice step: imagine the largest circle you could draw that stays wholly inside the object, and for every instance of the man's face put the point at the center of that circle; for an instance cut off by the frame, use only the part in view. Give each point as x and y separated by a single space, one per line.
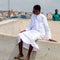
36 12
56 11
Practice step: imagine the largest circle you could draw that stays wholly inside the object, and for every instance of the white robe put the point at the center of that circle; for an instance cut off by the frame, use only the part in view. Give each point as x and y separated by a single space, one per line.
37 29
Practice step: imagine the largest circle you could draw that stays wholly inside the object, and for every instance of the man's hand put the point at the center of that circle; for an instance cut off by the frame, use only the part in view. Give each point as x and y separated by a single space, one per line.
52 40
22 31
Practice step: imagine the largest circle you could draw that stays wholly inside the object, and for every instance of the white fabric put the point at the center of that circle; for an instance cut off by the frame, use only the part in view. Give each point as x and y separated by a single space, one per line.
29 37
40 24
36 30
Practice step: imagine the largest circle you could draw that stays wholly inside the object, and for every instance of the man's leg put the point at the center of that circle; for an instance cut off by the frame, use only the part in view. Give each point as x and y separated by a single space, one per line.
29 52
20 45
20 48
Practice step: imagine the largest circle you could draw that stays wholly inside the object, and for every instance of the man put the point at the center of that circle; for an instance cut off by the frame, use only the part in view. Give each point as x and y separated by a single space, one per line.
56 16
37 29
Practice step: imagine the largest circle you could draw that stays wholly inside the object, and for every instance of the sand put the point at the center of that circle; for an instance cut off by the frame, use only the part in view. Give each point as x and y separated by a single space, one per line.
9 30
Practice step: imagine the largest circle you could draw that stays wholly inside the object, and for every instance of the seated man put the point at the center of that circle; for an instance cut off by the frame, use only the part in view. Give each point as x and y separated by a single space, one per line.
37 30
56 16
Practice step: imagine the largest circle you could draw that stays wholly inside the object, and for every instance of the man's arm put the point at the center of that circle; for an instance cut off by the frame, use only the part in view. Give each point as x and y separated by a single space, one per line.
47 30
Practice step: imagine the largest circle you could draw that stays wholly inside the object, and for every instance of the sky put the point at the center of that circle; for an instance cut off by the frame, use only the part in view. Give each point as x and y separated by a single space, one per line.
27 5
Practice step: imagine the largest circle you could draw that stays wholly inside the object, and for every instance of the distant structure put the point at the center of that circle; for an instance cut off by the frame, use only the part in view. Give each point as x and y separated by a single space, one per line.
1 16
15 14
12 13
49 16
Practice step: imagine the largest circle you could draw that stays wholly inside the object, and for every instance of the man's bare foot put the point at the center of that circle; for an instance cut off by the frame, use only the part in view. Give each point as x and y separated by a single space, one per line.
19 56
27 58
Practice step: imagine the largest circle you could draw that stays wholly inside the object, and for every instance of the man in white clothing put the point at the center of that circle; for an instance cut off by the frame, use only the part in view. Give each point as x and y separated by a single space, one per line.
37 29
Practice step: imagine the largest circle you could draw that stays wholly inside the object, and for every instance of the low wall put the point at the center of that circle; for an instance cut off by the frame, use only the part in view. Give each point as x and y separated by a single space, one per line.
12 27
7 44
8 39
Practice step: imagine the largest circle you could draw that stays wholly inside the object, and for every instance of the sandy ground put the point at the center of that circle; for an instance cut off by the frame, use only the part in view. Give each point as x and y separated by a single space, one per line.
8 40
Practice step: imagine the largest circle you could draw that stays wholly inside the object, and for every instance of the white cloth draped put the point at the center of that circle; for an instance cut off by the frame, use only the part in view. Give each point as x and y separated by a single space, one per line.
37 29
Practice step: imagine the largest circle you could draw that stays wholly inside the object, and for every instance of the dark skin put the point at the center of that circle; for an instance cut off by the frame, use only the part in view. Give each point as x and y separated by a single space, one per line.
56 11
21 51
36 12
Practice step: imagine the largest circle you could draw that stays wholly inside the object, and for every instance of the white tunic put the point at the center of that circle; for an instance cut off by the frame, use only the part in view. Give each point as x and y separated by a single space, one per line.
37 29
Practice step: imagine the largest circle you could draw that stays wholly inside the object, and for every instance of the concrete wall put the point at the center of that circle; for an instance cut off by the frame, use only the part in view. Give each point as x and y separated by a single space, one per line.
10 28
7 44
